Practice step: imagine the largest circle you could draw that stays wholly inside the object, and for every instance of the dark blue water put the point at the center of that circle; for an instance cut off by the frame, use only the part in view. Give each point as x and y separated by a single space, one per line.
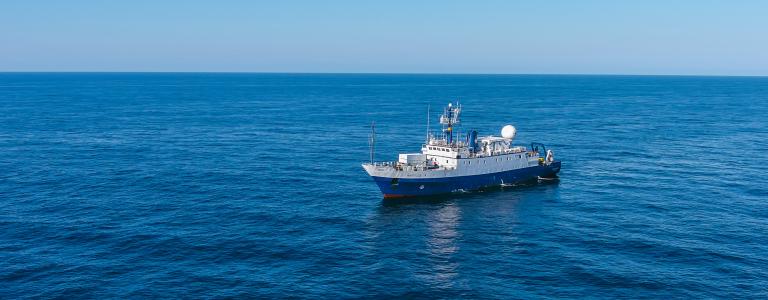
249 185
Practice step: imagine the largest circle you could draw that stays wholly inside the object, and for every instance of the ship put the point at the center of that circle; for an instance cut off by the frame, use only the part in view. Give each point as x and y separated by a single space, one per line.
450 162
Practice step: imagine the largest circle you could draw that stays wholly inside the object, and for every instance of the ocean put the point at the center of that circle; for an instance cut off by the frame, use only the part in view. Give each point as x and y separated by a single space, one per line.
216 185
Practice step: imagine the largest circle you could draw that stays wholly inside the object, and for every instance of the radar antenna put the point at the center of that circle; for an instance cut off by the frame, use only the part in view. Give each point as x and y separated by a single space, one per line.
450 118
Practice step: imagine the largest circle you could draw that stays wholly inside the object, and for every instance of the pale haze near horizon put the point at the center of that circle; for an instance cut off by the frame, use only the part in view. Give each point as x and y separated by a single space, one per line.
515 37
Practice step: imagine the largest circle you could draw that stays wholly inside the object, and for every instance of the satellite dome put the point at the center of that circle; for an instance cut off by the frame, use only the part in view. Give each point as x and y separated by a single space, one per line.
508 132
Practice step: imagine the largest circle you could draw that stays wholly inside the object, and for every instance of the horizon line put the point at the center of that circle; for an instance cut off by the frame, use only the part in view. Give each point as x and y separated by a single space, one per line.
382 73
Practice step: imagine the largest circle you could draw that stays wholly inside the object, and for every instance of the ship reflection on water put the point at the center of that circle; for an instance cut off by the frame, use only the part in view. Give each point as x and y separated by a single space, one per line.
442 244
427 240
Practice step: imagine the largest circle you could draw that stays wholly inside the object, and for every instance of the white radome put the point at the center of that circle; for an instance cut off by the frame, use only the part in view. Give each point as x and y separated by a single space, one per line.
508 132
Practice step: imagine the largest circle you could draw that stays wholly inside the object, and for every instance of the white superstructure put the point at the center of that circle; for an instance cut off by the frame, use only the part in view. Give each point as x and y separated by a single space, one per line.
447 155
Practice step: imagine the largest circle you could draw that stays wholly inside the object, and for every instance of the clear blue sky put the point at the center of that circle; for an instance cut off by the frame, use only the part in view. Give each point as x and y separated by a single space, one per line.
584 37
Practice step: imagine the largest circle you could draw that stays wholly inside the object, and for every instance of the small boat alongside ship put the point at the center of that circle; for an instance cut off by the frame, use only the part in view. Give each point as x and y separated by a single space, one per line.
449 163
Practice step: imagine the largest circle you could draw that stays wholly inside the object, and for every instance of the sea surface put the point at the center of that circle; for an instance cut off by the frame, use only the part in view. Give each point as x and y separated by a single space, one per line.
199 185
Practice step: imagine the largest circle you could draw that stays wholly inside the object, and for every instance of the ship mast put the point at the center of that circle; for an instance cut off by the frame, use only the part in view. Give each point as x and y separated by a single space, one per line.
427 125
372 139
450 118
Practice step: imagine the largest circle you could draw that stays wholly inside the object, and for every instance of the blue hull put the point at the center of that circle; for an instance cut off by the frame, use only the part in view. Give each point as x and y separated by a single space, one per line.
414 187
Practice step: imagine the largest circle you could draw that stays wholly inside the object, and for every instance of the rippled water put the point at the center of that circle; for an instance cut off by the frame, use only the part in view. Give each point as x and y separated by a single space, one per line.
249 185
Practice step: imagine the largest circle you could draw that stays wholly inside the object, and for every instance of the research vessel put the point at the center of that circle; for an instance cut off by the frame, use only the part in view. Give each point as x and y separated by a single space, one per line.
450 162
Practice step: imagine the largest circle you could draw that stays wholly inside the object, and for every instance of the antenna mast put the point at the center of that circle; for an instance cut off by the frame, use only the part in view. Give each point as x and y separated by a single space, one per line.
450 118
427 124
372 139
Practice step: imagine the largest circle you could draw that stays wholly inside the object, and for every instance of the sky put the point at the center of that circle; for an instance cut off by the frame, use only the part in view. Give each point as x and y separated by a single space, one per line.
395 36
